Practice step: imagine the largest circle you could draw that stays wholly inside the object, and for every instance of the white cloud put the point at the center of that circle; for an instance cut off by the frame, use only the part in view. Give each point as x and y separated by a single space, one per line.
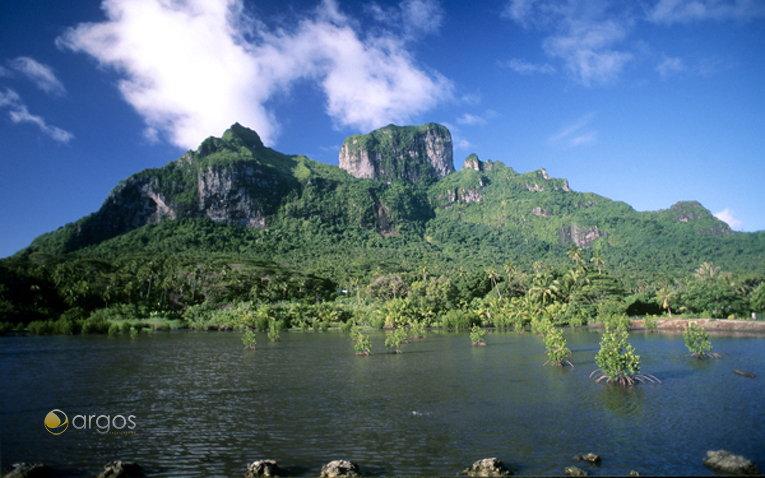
411 19
193 68
41 75
671 66
584 35
526 68
19 113
685 11
469 119
726 215
576 134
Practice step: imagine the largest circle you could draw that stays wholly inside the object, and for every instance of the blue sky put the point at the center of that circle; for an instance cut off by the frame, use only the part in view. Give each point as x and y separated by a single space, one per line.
648 102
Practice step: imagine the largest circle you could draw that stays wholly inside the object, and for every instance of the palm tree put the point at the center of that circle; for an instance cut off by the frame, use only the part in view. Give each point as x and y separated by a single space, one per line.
575 253
706 271
493 276
597 259
663 296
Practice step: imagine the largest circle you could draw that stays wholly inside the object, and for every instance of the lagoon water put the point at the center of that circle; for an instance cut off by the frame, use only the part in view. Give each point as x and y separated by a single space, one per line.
203 406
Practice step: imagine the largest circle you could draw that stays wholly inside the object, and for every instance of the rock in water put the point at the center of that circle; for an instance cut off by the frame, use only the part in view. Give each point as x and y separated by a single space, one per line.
588 457
263 468
575 471
338 468
28 470
488 467
727 462
121 469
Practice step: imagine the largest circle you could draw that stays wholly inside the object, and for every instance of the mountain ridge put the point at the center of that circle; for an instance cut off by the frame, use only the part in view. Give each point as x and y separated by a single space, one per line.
236 180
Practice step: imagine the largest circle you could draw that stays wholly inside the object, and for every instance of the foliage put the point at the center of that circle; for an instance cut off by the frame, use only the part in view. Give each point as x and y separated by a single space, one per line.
651 323
477 335
249 339
273 331
363 345
697 340
395 338
618 362
557 352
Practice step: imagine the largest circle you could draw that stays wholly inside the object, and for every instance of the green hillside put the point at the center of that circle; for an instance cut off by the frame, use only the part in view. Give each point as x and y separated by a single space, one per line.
235 222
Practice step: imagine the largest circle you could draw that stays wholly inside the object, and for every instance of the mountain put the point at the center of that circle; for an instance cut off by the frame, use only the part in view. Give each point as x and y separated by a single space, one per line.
397 183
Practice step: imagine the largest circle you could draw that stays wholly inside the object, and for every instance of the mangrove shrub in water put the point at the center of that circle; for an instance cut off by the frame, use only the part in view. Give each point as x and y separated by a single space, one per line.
697 341
249 340
477 335
618 362
557 352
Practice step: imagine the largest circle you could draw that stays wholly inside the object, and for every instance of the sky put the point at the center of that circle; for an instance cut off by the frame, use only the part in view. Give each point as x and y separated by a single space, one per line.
649 102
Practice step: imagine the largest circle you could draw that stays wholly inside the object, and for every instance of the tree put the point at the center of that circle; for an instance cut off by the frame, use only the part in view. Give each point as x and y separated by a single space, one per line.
597 260
707 270
249 340
663 296
574 253
493 277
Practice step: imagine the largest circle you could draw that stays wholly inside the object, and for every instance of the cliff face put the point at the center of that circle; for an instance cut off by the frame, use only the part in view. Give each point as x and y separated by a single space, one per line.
411 153
198 184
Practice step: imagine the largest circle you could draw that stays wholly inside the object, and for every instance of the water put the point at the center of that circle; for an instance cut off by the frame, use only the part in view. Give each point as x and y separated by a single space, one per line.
203 406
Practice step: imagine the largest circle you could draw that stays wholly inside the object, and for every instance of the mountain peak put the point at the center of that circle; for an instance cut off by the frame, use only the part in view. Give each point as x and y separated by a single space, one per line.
241 134
395 152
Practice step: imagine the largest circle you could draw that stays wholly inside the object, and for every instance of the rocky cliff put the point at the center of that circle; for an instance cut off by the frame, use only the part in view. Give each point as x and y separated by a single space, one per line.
222 180
411 153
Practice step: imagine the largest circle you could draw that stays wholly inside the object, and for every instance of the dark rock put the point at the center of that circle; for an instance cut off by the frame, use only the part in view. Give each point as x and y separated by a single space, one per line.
263 468
743 373
588 457
575 471
29 470
337 468
121 469
488 467
727 462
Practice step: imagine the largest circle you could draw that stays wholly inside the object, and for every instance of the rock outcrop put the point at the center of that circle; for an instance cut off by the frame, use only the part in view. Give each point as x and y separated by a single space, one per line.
487 467
581 236
263 468
411 153
121 469
29 470
339 468
727 462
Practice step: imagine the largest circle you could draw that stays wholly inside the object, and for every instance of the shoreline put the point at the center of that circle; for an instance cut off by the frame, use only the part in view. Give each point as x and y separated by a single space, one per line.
710 325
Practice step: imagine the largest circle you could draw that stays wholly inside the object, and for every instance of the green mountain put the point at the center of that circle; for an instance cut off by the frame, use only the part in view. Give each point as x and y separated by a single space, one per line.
235 209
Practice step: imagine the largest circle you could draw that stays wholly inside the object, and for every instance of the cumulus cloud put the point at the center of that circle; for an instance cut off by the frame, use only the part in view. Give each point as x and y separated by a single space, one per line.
576 134
41 75
583 35
726 215
19 113
191 68
685 11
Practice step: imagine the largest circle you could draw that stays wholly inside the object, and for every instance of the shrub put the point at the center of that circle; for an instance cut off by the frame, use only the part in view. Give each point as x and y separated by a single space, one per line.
617 360
477 335
697 341
557 352
249 340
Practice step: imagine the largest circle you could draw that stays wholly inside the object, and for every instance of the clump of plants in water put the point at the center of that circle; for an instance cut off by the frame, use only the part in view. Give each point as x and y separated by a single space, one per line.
133 333
697 341
363 345
651 323
477 334
395 339
418 330
557 352
618 362
249 340
273 331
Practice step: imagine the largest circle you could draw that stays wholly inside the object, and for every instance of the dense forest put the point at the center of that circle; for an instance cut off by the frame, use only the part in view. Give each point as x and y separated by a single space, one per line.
482 246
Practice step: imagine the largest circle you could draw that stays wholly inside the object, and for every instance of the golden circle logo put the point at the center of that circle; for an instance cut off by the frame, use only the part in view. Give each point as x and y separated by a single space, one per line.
56 422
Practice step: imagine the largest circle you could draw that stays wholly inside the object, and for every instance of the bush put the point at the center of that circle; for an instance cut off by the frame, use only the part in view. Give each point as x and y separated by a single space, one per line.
460 319
617 360
697 341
